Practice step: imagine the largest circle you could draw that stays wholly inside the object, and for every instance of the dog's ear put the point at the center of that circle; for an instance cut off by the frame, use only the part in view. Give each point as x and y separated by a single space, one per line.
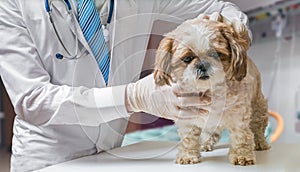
239 42
162 70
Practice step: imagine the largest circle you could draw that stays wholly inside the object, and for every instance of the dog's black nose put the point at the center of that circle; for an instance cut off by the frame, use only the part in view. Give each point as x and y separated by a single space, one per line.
201 70
201 66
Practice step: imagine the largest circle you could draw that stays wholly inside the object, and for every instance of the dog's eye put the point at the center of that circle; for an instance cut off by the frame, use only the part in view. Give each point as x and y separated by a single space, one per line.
214 54
188 59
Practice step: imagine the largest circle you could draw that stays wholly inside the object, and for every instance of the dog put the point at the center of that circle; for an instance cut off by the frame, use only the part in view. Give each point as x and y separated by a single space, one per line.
207 57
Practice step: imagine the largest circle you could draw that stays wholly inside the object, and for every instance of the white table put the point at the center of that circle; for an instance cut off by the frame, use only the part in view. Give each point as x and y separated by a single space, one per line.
159 156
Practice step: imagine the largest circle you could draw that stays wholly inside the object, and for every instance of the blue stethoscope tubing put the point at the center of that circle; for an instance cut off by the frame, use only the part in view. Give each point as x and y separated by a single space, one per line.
69 7
48 8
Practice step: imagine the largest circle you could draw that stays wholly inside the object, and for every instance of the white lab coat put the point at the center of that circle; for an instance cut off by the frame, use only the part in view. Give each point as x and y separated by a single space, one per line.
64 110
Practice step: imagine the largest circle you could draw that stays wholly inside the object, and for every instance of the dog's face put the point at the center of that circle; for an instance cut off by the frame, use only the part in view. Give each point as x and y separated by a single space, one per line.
199 51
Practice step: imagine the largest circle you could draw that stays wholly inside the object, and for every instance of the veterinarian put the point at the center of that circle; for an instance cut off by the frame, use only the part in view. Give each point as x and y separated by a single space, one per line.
68 80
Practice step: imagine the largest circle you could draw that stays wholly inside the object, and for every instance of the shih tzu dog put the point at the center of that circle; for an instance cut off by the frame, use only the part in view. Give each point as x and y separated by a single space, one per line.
207 58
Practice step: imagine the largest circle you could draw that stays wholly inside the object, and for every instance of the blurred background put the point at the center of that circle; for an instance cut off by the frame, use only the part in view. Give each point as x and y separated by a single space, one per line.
275 26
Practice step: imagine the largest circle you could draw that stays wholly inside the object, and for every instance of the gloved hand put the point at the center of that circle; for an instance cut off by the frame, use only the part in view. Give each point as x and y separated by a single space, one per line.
235 22
239 24
166 101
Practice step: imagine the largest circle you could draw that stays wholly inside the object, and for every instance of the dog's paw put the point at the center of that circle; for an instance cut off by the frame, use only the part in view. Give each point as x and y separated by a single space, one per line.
188 159
242 160
206 148
208 140
262 146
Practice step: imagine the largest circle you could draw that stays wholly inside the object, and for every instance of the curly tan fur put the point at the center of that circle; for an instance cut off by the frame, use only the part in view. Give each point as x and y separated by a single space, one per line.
234 85
162 73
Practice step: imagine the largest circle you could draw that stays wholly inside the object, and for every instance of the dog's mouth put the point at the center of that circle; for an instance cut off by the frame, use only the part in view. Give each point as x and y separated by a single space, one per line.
203 76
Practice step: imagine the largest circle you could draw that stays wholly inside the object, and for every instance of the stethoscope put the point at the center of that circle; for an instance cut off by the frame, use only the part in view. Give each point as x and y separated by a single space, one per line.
76 55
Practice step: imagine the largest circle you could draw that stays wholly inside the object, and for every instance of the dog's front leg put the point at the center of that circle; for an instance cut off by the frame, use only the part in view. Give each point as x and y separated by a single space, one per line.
209 139
242 141
189 148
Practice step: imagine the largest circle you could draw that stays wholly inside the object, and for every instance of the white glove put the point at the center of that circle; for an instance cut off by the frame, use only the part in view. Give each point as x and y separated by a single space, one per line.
166 101
238 22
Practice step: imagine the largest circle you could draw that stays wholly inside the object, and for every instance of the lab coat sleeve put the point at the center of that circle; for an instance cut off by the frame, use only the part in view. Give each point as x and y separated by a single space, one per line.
192 8
35 99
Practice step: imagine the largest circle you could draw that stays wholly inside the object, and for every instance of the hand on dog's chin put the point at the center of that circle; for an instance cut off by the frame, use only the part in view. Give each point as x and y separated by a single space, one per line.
185 112
193 102
200 111
192 98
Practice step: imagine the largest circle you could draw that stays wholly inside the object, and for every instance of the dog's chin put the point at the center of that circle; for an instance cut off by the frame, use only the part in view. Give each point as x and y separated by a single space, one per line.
190 82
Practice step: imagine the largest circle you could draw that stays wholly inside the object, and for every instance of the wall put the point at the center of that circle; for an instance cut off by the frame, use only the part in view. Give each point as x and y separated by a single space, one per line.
286 79
247 5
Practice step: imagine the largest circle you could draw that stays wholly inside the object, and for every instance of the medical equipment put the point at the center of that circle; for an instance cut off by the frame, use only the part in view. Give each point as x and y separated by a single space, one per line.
297 105
1 128
76 55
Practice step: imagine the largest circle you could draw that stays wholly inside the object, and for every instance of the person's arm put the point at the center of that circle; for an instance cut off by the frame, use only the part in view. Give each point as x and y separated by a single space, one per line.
35 99
39 102
189 9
